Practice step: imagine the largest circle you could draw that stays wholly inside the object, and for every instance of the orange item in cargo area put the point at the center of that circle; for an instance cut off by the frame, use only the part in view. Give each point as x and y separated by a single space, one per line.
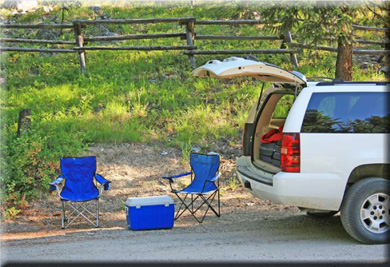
272 136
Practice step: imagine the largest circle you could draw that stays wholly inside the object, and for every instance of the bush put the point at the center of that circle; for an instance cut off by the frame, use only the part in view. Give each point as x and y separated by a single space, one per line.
29 163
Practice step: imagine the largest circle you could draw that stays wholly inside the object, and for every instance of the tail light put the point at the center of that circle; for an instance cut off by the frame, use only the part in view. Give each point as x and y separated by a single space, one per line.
291 152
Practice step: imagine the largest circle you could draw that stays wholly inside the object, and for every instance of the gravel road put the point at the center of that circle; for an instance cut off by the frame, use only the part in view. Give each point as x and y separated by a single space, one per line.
249 237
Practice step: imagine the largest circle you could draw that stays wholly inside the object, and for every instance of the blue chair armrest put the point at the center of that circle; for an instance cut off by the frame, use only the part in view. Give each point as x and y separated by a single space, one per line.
176 176
56 182
212 180
105 183
215 178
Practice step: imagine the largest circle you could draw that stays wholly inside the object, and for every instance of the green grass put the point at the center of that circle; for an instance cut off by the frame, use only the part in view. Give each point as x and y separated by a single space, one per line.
126 96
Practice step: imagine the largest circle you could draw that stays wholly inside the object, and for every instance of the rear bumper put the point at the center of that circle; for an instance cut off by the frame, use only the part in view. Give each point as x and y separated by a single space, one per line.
309 190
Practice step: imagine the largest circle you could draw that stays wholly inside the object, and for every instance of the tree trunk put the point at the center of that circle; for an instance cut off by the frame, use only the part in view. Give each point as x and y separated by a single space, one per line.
344 61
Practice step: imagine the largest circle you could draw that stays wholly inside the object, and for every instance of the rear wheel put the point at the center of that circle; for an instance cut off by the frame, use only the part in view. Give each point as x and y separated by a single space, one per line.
365 211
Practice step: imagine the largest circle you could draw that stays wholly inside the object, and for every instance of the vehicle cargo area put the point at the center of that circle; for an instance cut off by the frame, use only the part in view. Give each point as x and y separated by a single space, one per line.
267 137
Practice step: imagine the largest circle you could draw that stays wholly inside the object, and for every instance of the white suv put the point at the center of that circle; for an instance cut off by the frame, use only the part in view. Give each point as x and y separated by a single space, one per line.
332 152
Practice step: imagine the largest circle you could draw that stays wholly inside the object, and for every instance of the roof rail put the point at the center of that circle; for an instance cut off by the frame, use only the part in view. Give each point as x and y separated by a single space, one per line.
334 82
315 78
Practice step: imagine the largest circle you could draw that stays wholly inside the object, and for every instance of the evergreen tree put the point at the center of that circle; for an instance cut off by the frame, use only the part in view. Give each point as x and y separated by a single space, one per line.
315 22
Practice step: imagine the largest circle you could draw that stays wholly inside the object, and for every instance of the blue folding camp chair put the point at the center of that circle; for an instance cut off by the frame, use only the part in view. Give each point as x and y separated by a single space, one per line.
79 189
204 185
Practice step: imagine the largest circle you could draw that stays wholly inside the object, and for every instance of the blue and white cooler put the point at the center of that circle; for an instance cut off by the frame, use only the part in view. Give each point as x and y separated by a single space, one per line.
145 213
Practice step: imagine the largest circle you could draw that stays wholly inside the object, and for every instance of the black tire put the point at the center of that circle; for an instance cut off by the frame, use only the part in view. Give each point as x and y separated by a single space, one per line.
365 211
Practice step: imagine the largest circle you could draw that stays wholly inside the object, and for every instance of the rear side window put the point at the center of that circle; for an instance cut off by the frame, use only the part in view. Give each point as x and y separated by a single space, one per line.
348 113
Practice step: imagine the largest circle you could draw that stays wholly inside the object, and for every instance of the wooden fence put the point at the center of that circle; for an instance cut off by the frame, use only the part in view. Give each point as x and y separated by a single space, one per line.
188 36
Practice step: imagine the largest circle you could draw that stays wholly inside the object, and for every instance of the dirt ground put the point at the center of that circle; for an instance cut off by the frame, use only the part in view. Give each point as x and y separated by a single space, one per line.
135 170
249 229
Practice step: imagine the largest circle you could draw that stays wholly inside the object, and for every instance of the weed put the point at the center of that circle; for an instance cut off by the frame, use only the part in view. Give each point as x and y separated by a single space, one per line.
186 149
233 182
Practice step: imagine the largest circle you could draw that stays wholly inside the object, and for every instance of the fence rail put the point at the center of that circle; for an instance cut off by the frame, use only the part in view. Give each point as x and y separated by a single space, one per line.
222 37
41 50
135 21
240 51
32 41
135 37
189 36
138 48
36 26
367 28
355 50
229 22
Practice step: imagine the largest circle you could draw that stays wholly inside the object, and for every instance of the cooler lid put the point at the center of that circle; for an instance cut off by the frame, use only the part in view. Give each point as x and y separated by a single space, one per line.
149 201
237 66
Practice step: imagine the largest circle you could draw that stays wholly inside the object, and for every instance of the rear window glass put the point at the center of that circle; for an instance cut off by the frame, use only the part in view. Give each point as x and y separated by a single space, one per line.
283 107
347 113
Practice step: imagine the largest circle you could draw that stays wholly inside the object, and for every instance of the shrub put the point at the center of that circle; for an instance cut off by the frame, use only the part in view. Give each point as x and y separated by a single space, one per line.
29 163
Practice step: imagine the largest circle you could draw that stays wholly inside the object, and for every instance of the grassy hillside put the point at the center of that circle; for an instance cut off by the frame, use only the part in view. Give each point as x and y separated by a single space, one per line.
125 96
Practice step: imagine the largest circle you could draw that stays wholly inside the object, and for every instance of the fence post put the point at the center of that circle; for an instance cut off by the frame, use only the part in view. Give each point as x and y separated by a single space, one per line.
293 57
190 34
80 43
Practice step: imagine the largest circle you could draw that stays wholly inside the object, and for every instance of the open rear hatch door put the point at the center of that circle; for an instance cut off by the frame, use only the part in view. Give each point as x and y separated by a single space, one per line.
250 67
239 67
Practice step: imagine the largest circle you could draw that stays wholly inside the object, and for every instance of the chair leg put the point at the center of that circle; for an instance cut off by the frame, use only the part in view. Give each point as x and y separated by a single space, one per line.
204 215
79 210
178 213
208 201
218 214
62 215
97 212
219 204
188 207
192 203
